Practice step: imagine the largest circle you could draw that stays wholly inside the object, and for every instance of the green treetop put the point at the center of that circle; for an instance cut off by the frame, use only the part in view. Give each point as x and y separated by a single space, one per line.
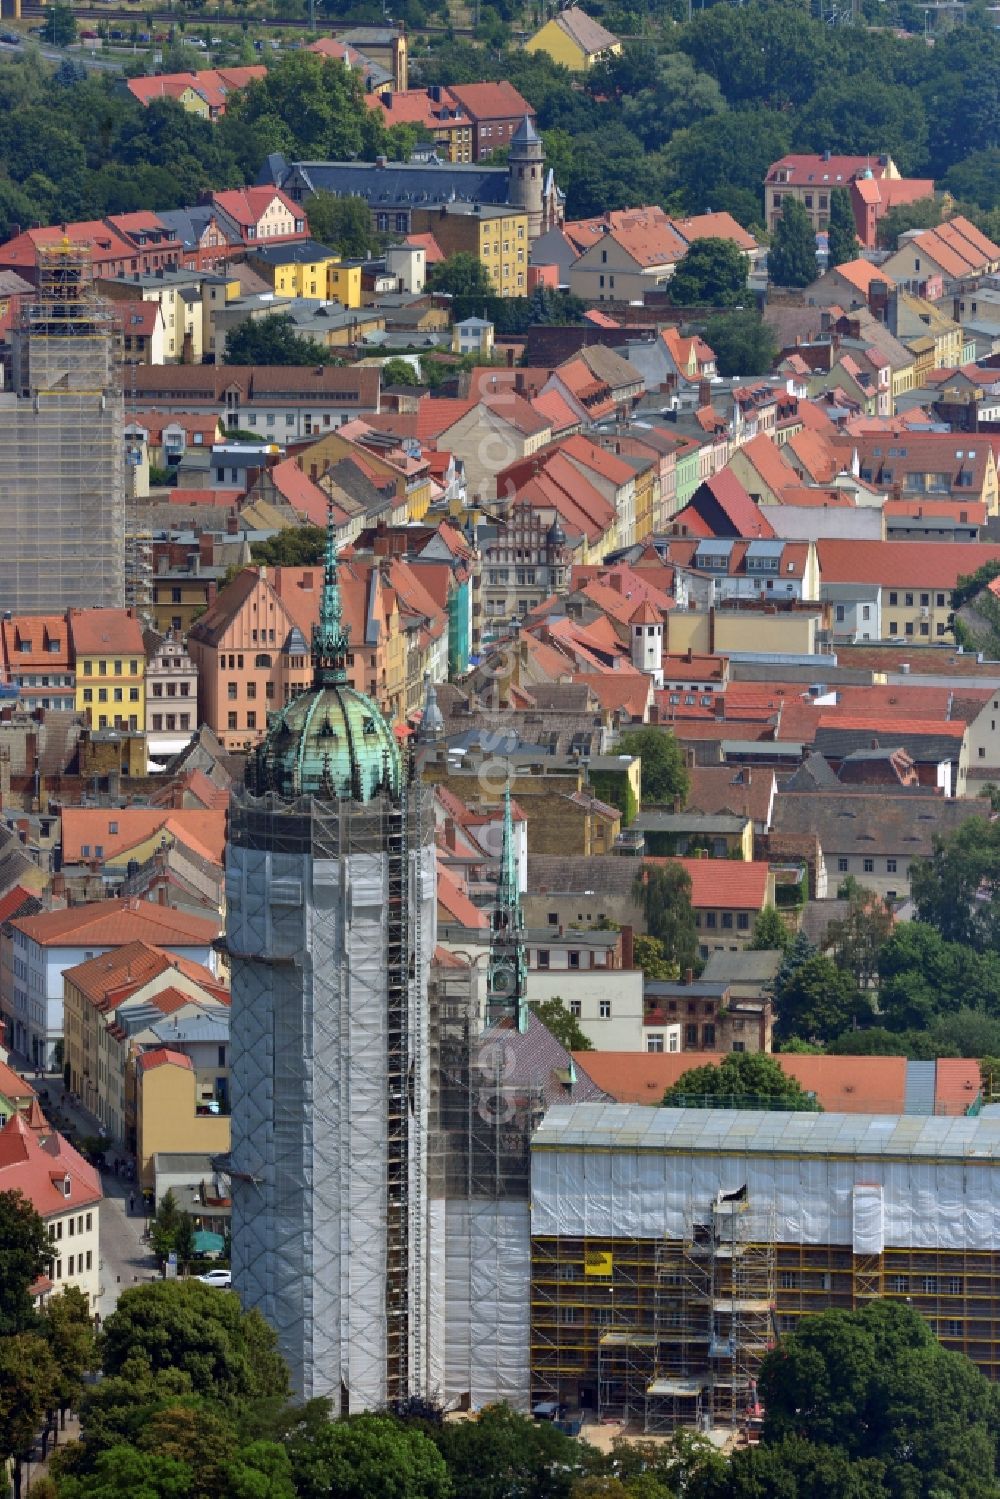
791 260
843 235
713 273
742 1080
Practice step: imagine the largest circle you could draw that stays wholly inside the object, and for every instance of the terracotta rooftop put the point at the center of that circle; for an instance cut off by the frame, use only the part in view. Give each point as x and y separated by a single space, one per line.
844 1085
97 632
46 1169
113 923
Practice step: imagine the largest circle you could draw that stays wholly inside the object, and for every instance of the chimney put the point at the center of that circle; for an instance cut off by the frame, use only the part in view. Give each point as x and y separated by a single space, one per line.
628 947
688 976
704 393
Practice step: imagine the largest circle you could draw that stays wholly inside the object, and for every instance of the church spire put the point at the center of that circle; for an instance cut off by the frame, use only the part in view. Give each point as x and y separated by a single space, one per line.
329 636
507 976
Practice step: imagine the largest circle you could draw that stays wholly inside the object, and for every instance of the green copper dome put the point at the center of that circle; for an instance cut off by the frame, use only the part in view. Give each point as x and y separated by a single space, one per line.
331 740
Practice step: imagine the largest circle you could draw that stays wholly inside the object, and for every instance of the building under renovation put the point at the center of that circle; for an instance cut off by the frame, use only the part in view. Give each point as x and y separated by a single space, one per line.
62 485
670 1247
330 928
381 1136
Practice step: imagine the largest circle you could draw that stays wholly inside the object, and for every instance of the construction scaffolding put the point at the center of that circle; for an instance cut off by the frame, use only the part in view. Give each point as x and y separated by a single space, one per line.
330 924
62 462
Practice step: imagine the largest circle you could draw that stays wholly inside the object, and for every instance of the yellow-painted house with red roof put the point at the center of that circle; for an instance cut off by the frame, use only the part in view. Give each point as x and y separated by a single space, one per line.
110 663
101 998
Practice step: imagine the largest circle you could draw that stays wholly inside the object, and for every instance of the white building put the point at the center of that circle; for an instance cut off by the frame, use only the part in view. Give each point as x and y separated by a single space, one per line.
44 946
66 1193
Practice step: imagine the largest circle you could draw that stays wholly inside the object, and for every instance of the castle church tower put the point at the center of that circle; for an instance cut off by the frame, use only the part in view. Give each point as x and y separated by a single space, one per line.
331 925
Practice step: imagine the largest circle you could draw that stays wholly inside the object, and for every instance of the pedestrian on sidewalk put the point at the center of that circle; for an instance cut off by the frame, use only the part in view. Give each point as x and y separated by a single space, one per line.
131 1201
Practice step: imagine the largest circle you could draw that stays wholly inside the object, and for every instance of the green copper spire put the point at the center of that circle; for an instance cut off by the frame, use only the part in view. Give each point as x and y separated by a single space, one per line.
507 976
329 636
331 740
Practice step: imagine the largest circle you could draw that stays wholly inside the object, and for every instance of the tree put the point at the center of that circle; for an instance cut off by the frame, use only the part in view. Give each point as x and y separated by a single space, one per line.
60 26
818 1002
345 224
858 937
559 1023
925 213
261 1470
124 1473
664 893
25 1255
163 1229
369 1457
28 1383
647 953
770 932
742 1080
713 273
399 372
843 234
795 955
664 774
461 275
796 1469
502 1455
922 977
791 260
184 1240
957 889
273 340
192 1434
742 342
68 1329
977 178
877 1386
199 1330
295 546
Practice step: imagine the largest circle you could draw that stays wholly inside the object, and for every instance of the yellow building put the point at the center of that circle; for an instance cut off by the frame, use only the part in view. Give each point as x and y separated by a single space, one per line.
110 663
100 995
574 39
496 236
306 268
169 1115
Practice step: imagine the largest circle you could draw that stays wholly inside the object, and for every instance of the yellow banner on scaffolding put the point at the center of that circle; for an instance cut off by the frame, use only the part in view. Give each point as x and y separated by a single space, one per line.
598 1262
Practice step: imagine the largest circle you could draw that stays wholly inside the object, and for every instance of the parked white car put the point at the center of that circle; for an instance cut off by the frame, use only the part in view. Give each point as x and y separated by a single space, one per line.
216 1278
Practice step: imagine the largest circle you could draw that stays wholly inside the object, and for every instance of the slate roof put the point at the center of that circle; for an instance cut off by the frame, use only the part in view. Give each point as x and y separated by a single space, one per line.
417 185
865 823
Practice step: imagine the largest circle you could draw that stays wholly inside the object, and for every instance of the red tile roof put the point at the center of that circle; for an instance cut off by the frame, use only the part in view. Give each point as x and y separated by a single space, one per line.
902 564
13 1087
97 632
490 101
805 170
861 273
162 1056
433 252
204 831
40 1164
844 1085
112 923
724 884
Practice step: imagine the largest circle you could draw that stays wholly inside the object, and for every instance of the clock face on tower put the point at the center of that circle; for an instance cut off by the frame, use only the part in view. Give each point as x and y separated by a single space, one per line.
503 983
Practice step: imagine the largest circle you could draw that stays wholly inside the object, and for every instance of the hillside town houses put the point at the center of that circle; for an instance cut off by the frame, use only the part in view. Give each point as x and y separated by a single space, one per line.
548 529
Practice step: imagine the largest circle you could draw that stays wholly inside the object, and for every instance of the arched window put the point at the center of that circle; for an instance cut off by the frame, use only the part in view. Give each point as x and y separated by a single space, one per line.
262 660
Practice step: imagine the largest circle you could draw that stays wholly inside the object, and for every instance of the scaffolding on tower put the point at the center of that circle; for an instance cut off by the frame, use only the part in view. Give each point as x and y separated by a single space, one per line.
61 452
